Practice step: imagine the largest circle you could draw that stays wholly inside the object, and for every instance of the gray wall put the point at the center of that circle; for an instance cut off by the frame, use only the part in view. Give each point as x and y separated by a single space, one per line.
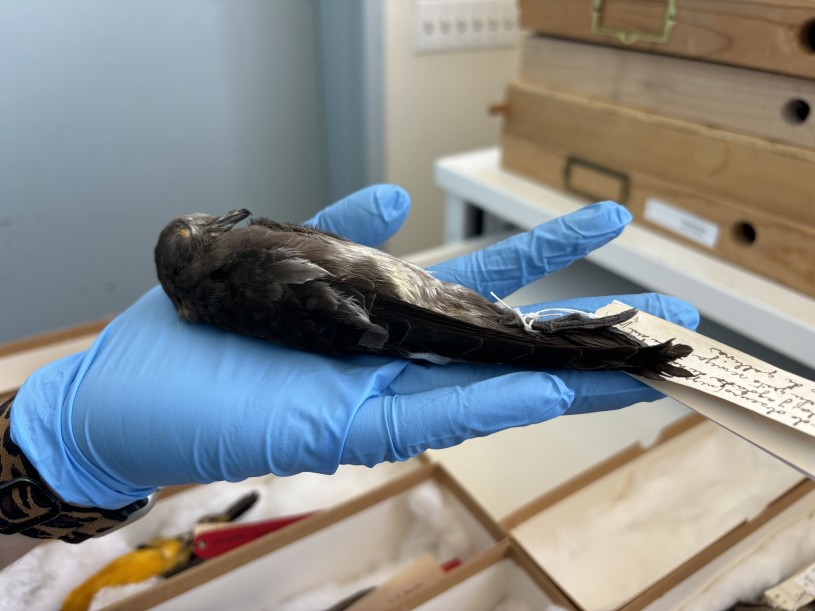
116 115
352 63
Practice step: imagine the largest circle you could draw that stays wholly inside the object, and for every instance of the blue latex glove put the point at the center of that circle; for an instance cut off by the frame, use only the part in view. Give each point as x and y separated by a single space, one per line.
156 401
510 265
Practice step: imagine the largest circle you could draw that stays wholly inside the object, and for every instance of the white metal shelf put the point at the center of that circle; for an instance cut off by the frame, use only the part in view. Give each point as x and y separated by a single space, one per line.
753 306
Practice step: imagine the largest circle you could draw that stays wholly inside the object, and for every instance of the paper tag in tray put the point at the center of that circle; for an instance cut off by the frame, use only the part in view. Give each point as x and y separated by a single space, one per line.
417 575
795 592
806 580
765 405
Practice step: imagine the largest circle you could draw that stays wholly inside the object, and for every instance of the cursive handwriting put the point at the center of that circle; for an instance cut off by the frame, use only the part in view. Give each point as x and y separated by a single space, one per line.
741 379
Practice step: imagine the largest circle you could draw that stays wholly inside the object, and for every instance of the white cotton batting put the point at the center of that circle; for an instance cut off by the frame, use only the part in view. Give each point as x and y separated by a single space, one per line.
670 507
514 604
434 527
42 578
779 557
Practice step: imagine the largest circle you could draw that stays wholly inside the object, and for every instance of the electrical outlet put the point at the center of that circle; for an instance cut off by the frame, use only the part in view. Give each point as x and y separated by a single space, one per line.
457 25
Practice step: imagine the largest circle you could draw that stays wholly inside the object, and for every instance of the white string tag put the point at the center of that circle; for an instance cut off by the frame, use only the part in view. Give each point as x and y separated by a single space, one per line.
531 317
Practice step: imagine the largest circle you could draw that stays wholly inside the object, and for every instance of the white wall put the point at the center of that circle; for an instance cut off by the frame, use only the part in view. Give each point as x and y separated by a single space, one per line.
434 105
116 115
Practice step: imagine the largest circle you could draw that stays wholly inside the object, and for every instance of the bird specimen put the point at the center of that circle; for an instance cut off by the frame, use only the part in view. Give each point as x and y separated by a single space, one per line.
312 290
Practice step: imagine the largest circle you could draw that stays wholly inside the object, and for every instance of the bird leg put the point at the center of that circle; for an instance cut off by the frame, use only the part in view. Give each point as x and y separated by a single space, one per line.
582 321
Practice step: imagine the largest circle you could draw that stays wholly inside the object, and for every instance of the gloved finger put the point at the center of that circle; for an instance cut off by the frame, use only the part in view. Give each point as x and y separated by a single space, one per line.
602 391
670 308
505 267
418 377
369 216
398 427
593 390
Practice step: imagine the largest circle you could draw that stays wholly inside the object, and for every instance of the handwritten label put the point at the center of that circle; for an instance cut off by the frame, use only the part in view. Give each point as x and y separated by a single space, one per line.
734 376
806 579
794 593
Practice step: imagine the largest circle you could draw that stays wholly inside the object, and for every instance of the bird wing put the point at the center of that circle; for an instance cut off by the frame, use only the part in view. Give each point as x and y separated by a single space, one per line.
275 294
417 332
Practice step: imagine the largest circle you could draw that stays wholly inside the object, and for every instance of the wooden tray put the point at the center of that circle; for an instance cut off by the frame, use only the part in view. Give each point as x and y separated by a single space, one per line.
769 177
748 237
770 106
773 35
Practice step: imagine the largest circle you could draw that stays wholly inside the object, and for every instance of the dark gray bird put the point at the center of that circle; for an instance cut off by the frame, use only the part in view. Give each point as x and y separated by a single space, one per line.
312 290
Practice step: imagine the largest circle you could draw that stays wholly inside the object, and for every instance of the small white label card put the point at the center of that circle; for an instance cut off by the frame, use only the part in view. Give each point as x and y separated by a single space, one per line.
689 226
768 406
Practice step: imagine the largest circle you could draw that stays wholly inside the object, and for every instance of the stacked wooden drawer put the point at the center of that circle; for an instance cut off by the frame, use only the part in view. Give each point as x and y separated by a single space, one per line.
695 114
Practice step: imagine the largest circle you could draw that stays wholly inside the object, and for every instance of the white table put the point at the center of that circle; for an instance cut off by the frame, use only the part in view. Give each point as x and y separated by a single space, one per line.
751 305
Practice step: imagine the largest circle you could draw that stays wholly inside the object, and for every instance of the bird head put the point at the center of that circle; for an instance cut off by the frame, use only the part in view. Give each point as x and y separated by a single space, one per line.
186 237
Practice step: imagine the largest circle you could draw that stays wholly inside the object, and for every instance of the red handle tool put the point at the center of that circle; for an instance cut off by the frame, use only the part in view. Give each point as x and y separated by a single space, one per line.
213 540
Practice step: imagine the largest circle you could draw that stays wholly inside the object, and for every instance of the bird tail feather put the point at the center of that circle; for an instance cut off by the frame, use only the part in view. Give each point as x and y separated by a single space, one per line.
567 342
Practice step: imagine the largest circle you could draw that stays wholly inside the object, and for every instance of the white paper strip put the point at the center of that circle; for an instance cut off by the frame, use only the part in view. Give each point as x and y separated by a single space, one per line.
768 406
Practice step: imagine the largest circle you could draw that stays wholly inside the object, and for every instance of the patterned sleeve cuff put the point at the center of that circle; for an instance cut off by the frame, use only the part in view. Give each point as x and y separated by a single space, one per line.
30 507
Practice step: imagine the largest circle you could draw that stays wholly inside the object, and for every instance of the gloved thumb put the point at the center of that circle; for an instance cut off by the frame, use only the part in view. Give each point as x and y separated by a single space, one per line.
370 216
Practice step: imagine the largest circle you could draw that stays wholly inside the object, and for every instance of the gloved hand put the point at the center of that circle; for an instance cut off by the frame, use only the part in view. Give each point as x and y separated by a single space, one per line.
156 401
510 265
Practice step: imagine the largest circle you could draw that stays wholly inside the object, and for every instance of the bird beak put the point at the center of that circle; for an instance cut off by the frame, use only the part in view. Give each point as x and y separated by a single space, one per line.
231 218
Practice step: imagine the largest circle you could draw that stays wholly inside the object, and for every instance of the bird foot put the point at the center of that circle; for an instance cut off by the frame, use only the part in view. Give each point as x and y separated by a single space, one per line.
582 321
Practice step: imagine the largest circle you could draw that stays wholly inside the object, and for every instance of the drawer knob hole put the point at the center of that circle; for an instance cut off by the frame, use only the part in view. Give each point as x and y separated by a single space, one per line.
807 36
745 233
796 111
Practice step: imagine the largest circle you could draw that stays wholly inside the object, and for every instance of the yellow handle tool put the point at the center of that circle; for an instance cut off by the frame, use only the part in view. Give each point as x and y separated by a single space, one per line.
160 556
153 558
